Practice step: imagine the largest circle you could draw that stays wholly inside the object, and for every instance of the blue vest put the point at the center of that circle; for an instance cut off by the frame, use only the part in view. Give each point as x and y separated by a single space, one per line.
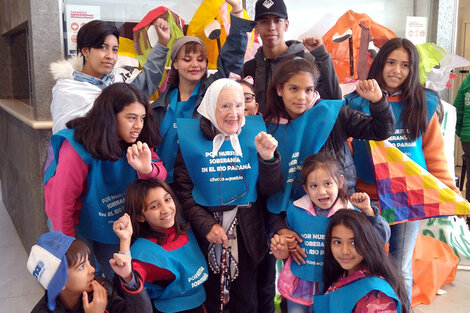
106 182
344 299
226 179
312 229
176 109
414 150
301 137
188 265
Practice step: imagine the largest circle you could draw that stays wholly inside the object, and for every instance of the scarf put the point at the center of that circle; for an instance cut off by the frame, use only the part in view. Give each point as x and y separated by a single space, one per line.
207 109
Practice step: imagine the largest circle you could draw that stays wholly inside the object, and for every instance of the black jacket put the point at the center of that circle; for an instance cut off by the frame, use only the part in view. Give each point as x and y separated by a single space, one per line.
262 70
379 125
250 219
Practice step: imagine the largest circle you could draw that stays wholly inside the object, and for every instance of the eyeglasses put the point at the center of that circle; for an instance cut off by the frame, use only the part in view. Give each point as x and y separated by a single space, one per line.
236 197
249 97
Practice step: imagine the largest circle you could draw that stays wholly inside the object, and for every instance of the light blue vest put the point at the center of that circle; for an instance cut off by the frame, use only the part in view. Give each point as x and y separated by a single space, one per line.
312 229
106 182
188 265
301 137
226 179
176 109
344 299
414 150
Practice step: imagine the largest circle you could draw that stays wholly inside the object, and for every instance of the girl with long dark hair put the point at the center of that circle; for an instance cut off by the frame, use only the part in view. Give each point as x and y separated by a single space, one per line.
94 161
418 135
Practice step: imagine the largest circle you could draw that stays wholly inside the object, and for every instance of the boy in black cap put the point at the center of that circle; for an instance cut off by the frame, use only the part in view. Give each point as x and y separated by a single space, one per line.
271 16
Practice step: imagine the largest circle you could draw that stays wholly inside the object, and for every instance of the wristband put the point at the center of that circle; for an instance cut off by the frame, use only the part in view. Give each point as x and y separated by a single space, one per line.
126 253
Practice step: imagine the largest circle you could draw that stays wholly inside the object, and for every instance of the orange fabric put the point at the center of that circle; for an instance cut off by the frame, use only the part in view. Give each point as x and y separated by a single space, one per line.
434 153
434 265
340 51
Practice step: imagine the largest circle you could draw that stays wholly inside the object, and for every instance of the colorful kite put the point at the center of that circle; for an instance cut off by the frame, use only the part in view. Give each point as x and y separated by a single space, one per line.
409 192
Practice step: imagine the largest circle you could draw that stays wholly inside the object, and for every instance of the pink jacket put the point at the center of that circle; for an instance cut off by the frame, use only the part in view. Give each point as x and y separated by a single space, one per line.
374 301
290 286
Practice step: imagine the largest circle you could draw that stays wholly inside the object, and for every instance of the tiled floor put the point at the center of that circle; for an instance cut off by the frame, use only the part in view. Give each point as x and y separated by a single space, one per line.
20 292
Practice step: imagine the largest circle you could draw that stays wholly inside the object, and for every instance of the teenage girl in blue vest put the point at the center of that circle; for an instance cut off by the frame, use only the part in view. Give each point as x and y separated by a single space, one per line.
418 134
308 217
94 161
164 250
358 273
189 81
303 124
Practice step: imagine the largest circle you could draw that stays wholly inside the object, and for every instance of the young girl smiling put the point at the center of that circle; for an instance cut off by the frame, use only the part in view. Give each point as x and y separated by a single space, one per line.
164 250
308 217
358 273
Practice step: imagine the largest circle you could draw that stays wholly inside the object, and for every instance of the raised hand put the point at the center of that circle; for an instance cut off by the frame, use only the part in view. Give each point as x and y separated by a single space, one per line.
292 240
100 299
311 43
237 6
123 227
369 89
217 235
121 265
140 157
279 247
361 200
163 30
266 145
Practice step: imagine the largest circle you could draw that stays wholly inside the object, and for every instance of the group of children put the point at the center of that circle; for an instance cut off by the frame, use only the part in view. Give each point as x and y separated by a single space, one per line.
105 182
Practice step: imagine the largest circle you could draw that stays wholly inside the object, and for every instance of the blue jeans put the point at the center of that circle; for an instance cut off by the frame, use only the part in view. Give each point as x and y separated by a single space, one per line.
294 307
402 244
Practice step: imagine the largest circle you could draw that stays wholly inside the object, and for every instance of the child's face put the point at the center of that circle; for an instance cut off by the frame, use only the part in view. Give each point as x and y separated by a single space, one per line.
251 107
344 250
130 122
297 94
160 210
191 66
396 70
322 188
80 277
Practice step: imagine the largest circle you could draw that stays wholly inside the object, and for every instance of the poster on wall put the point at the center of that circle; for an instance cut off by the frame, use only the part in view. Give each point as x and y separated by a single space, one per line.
76 16
416 29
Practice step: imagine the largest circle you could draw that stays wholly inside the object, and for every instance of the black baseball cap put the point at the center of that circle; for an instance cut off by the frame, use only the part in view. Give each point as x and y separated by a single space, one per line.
270 7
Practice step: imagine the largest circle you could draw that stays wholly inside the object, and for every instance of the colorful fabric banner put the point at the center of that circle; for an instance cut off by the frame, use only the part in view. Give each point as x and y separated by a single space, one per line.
409 192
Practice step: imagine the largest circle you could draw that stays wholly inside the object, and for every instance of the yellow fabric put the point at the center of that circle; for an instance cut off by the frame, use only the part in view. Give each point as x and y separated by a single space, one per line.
126 47
206 13
430 55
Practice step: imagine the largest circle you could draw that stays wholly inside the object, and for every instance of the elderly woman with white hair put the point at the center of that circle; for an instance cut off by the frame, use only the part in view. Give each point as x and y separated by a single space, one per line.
226 165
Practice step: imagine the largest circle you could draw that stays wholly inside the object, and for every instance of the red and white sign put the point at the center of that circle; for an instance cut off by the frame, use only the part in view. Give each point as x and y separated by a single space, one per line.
77 16
416 29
